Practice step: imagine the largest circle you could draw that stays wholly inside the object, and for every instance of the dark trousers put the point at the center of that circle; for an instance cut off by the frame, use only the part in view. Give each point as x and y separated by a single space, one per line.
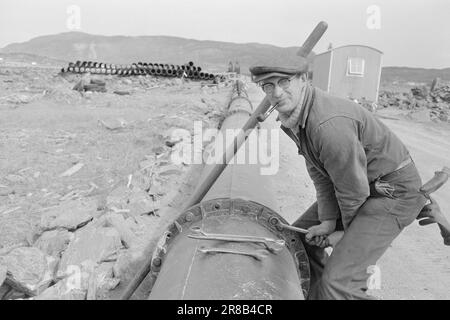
344 274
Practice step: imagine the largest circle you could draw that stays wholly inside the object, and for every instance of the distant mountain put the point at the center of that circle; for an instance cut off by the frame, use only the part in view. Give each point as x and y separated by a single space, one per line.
405 74
213 56
30 58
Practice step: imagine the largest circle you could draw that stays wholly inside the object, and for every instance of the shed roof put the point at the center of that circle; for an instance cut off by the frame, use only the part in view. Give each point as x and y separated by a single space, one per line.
350 45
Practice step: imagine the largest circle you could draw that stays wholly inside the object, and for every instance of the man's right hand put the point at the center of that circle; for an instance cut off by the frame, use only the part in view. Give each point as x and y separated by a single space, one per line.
317 235
318 241
327 241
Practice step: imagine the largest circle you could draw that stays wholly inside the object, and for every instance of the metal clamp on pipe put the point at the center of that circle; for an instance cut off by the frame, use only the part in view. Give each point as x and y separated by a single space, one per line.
271 245
258 254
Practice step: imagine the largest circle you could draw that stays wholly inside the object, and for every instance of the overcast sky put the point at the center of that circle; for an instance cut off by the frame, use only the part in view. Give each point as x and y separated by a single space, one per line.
413 33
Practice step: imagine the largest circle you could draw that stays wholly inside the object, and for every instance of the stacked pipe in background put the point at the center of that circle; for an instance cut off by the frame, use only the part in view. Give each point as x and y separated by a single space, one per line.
188 70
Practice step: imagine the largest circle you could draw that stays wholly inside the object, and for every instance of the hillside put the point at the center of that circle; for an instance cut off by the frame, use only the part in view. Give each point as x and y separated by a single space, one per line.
418 75
27 58
213 55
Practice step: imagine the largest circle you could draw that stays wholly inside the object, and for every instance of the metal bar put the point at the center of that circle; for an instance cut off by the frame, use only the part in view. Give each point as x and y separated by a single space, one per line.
259 255
238 238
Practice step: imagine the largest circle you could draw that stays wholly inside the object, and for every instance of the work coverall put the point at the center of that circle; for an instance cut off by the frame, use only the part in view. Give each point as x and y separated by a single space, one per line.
347 149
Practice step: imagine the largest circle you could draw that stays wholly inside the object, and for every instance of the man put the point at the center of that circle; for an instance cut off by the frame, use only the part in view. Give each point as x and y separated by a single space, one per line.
366 183
237 68
230 67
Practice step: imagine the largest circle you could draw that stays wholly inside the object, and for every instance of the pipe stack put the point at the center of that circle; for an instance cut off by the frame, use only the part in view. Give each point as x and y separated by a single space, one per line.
188 70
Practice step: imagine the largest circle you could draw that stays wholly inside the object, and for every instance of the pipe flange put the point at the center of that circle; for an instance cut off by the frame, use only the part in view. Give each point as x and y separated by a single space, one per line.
222 207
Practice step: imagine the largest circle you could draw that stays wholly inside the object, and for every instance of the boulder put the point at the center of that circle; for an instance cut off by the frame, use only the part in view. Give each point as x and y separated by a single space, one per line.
134 201
90 244
70 215
74 286
4 291
16 230
122 92
101 281
62 291
156 189
104 271
444 117
113 124
140 202
54 242
95 88
118 222
158 150
147 164
85 80
435 84
29 270
419 93
127 264
8 293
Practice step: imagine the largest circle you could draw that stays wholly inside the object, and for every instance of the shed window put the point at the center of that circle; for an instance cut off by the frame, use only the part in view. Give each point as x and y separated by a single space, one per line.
355 67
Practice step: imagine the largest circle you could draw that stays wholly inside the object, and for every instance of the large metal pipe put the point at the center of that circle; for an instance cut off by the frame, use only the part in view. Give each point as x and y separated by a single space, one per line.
240 202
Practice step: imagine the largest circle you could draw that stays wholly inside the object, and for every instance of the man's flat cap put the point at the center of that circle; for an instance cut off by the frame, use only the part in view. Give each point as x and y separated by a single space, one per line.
263 72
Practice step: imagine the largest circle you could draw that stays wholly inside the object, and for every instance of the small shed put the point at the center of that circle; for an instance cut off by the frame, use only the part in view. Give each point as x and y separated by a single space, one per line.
351 71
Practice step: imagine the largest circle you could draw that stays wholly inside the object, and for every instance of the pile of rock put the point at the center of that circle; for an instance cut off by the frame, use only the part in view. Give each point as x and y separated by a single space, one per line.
367 104
69 253
85 247
440 92
436 100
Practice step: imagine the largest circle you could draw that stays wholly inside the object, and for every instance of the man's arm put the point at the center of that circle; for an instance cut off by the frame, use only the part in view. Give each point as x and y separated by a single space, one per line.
344 159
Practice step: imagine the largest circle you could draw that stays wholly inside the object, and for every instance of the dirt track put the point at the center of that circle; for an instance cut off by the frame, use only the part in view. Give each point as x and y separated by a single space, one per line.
417 266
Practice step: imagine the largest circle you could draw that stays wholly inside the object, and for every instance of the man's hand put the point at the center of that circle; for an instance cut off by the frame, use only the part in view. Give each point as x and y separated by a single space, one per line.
431 213
317 235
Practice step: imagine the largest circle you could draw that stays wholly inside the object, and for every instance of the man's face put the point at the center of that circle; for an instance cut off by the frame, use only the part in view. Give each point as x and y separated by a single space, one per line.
285 92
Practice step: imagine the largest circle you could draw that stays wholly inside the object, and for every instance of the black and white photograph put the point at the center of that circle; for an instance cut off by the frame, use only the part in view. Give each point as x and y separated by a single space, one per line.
224 154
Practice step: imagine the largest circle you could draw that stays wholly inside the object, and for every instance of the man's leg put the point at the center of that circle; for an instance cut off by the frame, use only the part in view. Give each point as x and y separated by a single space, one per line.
317 256
364 242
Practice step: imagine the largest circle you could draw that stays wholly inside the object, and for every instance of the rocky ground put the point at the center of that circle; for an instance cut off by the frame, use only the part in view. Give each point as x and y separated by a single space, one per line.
86 178
427 102
87 184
